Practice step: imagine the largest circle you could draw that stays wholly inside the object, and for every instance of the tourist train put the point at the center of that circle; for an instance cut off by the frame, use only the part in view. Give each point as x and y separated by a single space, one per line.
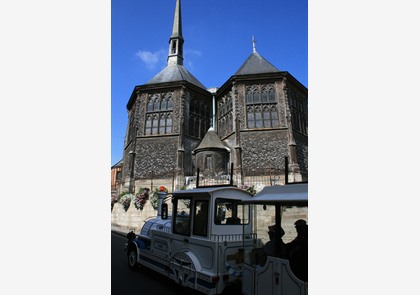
212 238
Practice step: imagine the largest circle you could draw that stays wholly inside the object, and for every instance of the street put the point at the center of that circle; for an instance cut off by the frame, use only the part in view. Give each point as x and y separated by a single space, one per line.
127 282
142 281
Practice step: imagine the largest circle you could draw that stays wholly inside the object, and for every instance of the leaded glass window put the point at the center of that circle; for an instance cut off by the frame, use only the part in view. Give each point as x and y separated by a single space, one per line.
199 120
159 114
261 107
299 111
225 117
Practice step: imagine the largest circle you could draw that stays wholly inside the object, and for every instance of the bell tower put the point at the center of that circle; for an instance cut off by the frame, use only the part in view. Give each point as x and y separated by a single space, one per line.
176 41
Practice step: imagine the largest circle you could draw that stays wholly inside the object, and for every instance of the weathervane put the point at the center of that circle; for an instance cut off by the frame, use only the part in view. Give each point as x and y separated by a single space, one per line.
254 49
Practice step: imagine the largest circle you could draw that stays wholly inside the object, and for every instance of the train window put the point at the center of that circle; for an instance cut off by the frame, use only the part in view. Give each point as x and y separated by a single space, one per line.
231 212
182 216
200 218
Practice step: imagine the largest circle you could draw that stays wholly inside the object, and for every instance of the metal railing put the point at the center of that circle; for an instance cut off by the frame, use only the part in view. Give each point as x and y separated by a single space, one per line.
232 237
176 180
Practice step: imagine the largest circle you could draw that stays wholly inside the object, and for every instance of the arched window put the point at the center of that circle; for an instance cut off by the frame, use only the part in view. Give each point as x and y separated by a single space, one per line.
148 128
156 105
298 111
249 97
169 103
250 117
159 114
199 120
261 107
225 111
150 105
256 97
168 123
155 123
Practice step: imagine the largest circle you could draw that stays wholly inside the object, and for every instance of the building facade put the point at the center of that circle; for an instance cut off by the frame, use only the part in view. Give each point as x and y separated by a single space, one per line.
251 123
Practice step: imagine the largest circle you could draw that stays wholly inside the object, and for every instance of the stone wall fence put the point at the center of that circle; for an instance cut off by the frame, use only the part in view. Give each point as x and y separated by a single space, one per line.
133 219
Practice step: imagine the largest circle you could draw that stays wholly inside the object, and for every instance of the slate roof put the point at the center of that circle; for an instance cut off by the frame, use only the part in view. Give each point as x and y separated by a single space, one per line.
175 73
210 141
256 64
119 163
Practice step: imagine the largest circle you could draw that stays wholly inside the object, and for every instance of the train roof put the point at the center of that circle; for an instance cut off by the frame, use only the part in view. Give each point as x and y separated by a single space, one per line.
290 194
209 190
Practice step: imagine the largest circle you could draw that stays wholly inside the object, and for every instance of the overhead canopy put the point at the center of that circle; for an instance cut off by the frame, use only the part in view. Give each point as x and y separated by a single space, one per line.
288 195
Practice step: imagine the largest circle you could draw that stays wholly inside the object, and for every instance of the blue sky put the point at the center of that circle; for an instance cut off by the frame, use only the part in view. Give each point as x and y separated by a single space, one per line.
217 36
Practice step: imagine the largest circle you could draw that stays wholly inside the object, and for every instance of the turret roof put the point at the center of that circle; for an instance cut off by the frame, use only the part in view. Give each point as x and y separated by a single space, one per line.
210 141
174 73
256 64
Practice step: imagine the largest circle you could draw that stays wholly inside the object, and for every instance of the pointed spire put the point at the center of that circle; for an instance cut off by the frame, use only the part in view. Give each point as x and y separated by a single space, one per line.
177 26
176 41
254 47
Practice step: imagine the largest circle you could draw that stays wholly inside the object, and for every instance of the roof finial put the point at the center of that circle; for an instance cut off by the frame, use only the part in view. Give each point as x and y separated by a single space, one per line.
254 47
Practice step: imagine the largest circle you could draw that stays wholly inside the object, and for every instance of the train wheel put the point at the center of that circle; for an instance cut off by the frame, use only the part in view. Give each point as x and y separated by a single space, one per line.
132 258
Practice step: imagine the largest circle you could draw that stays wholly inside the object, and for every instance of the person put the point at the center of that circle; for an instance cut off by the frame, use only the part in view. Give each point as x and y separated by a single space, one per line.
297 251
273 246
131 236
301 237
200 223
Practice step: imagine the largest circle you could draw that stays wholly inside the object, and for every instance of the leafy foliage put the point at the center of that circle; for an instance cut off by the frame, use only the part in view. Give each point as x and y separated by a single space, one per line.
125 200
154 197
141 197
249 188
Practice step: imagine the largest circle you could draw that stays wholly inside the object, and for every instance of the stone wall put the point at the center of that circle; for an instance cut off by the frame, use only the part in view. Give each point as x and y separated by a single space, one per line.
133 219
264 149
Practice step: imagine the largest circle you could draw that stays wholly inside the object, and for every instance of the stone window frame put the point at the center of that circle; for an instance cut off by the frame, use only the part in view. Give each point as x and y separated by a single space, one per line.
261 107
225 115
298 109
199 120
159 114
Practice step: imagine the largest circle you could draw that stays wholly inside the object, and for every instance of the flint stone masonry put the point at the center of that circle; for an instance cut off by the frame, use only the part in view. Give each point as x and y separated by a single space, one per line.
264 149
156 155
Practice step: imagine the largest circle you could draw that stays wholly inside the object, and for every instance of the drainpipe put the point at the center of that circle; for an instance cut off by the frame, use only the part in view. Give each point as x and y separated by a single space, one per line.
213 92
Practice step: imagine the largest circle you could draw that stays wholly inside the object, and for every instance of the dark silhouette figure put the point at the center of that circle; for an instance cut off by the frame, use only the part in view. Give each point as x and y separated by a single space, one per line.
273 246
297 251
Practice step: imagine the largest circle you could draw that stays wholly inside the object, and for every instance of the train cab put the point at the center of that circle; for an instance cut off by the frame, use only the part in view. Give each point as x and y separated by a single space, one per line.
200 244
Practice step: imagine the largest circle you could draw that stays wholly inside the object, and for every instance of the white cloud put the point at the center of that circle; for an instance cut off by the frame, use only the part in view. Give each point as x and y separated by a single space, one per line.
152 59
189 52
189 56
158 58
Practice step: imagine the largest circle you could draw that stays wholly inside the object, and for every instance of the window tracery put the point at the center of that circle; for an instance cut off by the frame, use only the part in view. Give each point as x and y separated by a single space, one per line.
199 118
298 110
225 115
261 107
159 114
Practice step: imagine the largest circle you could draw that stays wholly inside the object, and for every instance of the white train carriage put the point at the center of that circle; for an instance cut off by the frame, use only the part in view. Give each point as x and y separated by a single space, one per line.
283 210
201 245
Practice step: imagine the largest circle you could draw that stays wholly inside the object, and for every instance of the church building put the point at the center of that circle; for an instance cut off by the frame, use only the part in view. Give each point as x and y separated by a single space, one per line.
254 121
